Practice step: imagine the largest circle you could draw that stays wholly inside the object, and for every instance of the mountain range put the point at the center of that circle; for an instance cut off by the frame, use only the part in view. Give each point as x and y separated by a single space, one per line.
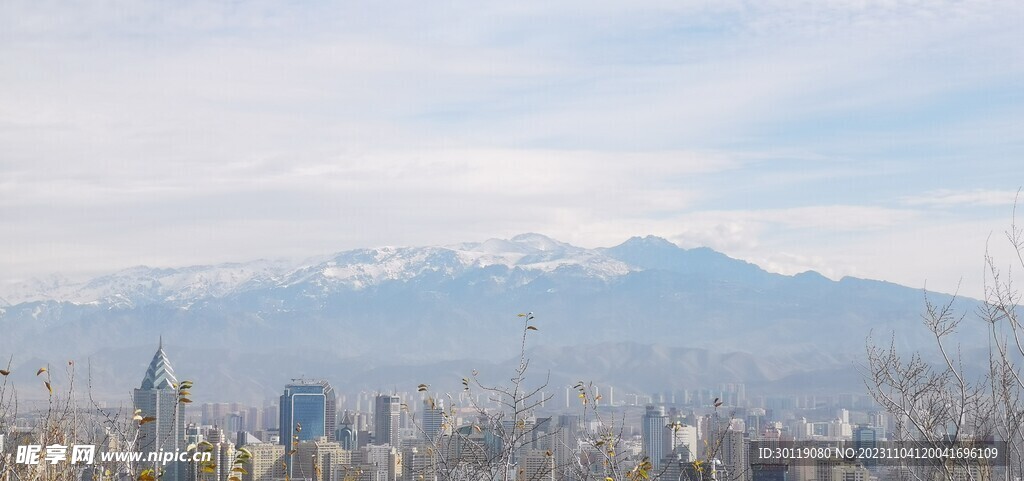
643 315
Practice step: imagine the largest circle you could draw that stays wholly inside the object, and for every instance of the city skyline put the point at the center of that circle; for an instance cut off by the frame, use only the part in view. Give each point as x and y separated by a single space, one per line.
672 437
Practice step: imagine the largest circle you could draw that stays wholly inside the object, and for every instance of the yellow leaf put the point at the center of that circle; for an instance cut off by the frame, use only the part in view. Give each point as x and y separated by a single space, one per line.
40 371
146 420
48 387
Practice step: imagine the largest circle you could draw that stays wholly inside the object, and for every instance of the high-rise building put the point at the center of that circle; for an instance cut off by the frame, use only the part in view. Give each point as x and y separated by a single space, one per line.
536 465
566 446
387 414
271 417
382 459
267 462
433 419
652 430
865 437
307 413
768 471
253 419
320 460
157 398
419 464
734 456
347 435
681 439
222 453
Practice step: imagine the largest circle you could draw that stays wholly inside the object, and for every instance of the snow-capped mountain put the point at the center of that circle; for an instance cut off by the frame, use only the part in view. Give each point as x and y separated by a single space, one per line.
143 285
355 269
409 306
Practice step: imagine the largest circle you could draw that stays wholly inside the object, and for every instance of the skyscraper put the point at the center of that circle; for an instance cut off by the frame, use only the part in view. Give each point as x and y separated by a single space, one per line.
734 456
681 439
308 413
387 413
536 465
653 430
157 397
265 463
433 419
865 437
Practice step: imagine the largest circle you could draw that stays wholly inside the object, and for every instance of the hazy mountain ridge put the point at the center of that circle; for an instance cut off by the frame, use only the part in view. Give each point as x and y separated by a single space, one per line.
420 307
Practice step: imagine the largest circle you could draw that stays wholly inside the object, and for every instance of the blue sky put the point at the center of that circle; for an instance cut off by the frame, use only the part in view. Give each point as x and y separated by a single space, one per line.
875 139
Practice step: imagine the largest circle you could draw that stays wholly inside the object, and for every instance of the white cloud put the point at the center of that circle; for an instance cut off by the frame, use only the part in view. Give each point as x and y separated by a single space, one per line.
953 198
140 132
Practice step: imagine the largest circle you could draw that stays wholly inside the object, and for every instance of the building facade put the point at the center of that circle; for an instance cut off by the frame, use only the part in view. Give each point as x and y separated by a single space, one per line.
308 413
157 398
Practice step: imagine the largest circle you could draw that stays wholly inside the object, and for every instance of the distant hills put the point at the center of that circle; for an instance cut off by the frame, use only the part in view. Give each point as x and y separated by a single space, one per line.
645 314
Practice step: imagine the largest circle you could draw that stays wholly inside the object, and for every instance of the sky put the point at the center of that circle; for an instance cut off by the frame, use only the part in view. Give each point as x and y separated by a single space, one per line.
882 140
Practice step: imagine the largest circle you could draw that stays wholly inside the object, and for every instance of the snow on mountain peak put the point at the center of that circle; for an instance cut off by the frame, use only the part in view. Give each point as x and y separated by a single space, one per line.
529 253
539 242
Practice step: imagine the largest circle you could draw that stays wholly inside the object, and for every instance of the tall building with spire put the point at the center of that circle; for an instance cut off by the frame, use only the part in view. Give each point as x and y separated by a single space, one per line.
348 436
157 397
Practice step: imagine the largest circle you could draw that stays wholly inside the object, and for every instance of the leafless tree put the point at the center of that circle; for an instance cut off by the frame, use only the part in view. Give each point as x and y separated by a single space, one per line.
63 421
494 444
942 398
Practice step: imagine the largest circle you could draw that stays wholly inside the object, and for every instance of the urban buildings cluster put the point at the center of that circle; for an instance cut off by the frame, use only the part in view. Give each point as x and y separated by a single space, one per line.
313 432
